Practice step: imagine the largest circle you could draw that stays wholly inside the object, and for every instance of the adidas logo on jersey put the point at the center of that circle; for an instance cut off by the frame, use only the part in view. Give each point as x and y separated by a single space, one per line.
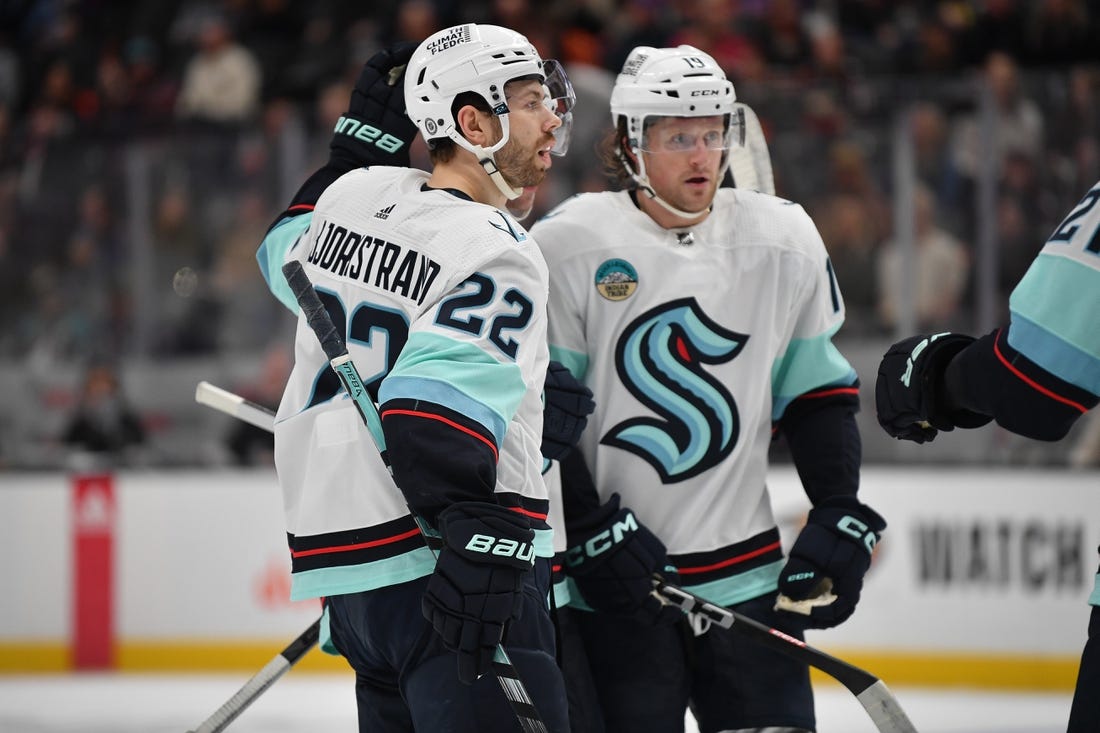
385 213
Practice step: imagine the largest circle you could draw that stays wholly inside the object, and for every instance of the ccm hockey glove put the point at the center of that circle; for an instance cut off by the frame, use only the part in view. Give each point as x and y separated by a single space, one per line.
477 586
908 392
612 558
824 573
568 405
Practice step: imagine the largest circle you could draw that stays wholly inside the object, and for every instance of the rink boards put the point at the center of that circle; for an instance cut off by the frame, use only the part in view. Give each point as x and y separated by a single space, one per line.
981 579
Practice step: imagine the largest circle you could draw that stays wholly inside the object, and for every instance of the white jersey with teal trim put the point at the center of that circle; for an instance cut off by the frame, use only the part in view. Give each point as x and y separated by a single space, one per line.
693 343
441 298
1056 306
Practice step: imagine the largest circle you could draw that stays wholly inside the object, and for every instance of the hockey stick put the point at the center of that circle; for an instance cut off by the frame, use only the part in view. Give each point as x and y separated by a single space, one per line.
340 361
262 680
235 405
750 162
872 693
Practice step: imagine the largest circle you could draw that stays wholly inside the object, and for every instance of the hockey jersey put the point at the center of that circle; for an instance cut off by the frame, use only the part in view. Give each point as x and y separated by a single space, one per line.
694 342
1055 306
440 300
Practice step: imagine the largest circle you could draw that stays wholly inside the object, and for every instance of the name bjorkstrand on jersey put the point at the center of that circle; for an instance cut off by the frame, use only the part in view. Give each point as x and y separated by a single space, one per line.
373 261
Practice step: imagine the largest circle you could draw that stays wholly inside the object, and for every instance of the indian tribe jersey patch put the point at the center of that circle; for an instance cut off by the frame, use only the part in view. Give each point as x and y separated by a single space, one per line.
616 279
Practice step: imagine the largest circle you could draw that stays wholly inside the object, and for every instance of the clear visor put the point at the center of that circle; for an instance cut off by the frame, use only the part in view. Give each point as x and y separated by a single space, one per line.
559 99
688 134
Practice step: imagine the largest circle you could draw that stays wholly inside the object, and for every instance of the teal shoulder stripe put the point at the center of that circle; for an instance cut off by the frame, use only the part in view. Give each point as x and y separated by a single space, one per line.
357 578
742 587
273 251
1094 598
1058 299
459 376
808 364
1052 353
574 361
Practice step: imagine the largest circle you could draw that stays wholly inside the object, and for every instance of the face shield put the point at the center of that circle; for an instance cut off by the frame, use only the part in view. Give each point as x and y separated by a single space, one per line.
559 99
717 133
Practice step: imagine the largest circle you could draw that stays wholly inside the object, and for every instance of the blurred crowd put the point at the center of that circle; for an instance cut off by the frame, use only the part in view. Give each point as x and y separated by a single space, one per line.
146 147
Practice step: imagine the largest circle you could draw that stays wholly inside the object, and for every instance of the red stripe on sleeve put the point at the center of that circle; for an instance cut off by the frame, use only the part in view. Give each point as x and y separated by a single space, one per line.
1032 383
449 423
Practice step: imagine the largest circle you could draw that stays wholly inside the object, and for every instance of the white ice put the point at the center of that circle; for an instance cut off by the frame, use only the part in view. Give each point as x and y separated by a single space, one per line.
305 702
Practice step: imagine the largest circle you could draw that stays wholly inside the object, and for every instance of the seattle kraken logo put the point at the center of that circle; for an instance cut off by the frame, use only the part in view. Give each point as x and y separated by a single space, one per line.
660 359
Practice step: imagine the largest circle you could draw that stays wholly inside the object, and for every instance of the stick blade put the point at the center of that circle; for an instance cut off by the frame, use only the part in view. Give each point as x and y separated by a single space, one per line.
884 710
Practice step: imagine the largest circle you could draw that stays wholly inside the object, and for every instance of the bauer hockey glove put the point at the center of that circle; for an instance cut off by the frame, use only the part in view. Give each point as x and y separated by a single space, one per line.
375 129
824 573
908 392
477 586
568 405
612 558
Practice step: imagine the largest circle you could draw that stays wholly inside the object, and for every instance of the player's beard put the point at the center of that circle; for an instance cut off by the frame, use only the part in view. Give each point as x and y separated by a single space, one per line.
519 167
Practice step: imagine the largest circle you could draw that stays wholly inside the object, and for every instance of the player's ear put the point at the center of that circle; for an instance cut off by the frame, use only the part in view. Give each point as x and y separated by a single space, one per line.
476 126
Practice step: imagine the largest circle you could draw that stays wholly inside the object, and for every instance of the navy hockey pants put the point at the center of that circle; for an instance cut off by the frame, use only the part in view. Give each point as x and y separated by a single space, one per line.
406 680
646 677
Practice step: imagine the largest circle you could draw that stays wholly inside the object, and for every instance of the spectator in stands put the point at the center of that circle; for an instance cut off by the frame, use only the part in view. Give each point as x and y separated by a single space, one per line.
1019 121
221 83
104 424
942 268
852 241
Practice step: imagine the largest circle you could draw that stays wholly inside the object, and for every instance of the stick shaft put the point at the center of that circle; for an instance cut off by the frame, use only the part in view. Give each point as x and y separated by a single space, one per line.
235 405
880 704
262 680
333 345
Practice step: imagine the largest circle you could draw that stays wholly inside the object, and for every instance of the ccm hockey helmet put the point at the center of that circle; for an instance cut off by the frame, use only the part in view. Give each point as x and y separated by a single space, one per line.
480 58
671 82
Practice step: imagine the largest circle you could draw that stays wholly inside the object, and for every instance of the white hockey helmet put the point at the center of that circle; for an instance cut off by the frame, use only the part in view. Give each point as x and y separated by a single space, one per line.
480 58
671 82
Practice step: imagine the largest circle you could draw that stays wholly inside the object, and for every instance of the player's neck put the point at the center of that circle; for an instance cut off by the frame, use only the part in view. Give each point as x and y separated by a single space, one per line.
665 218
469 178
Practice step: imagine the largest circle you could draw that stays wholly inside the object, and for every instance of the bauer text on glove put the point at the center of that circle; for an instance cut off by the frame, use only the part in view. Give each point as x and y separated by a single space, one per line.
477 587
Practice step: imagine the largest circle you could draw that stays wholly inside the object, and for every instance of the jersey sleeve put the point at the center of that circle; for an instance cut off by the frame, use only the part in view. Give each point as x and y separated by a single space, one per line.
1038 376
568 285
278 247
811 365
1054 307
467 376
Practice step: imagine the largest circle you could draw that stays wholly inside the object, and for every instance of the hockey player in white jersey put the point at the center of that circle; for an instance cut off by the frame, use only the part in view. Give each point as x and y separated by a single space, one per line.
1035 377
702 319
441 296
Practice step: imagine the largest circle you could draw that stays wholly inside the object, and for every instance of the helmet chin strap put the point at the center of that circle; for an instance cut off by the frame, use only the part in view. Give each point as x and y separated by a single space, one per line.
640 178
490 166
485 156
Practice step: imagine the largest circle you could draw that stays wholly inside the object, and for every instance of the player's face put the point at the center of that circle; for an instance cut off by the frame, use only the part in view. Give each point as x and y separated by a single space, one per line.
683 159
525 158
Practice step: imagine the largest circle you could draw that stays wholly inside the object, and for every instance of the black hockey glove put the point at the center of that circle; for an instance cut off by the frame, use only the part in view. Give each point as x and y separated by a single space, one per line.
612 558
375 130
477 586
824 573
568 405
908 393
